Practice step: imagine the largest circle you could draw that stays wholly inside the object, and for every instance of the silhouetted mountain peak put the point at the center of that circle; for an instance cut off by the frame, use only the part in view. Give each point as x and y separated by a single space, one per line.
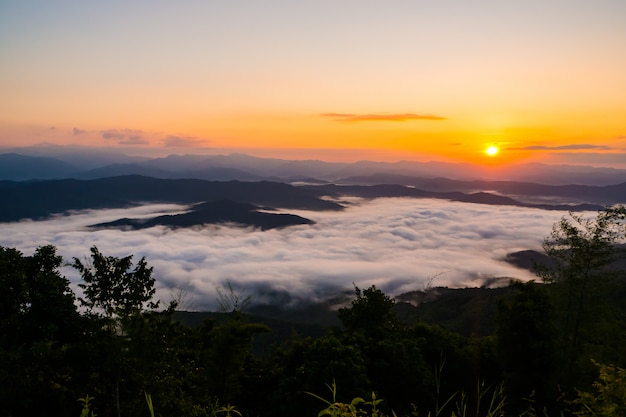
213 212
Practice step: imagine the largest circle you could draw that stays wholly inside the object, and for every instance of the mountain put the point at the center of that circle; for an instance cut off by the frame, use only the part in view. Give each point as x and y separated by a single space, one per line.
213 212
89 163
81 157
212 174
526 192
19 167
255 165
334 171
116 170
394 190
40 199
529 259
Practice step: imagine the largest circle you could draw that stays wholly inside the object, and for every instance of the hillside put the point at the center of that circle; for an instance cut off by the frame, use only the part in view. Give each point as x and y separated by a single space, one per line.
467 311
222 211
36 200
40 199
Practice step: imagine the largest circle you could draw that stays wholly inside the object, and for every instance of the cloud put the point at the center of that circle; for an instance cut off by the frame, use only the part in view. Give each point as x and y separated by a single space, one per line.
381 117
172 141
125 136
575 147
598 159
76 131
396 244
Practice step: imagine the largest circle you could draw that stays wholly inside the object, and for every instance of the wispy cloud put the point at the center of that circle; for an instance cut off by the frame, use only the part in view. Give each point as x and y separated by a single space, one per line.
574 147
380 117
76 131
396 244
615 159
172 141
125 136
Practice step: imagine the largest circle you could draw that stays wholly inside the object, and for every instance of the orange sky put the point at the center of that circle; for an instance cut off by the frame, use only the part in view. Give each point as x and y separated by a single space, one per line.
330 80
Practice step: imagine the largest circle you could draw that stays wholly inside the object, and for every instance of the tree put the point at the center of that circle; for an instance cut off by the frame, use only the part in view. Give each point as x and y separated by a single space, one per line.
111 286
395 365
371 313
13 294
115 292
526 342
584 251
52 311
39 324
223 351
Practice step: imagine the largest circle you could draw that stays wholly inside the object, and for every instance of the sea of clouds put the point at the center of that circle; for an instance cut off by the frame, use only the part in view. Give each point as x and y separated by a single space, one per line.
397 244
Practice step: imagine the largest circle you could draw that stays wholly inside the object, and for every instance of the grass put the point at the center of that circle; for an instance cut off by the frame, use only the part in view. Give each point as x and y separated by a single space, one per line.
608 399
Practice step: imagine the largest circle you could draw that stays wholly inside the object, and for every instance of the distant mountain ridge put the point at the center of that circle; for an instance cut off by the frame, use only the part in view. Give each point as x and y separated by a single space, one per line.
603 195
14 166
277 183
395 190
84 165
40 199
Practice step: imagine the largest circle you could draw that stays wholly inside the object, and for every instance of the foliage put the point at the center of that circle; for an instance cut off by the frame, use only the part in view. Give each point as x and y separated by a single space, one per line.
357 407
223 350
111 286
493 399
39 325
527 344
393 357
495 402
581 247
371 313
585 252
87 410
608 397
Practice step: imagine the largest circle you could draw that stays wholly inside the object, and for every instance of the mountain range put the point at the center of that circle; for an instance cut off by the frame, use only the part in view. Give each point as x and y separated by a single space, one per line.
40 199
80 163
245 190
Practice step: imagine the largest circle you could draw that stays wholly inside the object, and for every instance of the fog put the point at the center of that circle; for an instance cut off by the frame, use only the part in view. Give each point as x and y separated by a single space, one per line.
397 244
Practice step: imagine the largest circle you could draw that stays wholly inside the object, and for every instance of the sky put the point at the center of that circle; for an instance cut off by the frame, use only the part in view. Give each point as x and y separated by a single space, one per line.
399 245
335 80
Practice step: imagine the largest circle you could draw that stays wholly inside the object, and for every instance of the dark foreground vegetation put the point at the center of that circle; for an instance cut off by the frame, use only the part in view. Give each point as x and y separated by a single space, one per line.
557 348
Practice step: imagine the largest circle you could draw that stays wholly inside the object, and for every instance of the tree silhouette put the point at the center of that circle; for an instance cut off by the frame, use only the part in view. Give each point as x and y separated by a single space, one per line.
111 286
584 251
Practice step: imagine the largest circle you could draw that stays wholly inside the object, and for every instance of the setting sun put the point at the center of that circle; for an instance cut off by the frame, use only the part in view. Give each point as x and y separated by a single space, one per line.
492 151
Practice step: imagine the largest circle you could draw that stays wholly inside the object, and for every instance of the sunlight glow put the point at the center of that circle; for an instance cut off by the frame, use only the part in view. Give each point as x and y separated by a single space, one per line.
492 150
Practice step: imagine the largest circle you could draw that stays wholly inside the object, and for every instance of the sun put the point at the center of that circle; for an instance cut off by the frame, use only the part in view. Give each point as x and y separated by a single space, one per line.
492 150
